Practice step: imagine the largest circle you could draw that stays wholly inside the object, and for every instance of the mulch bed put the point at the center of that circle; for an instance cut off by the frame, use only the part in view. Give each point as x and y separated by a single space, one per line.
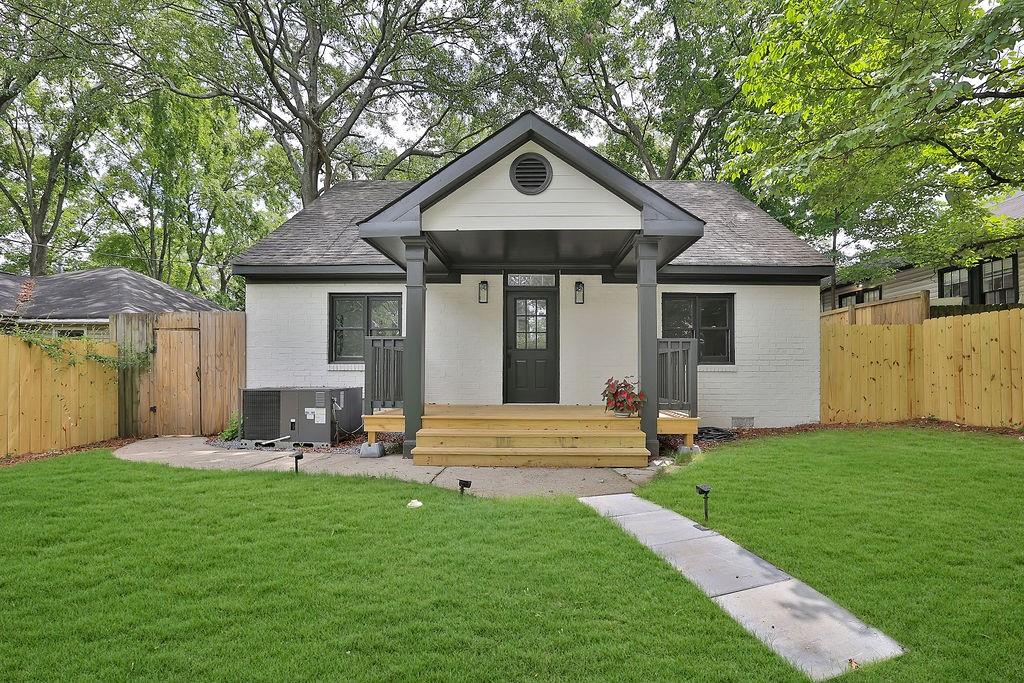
759 432
111 444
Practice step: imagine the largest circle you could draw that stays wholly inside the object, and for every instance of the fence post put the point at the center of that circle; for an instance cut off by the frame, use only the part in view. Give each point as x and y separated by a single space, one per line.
925 304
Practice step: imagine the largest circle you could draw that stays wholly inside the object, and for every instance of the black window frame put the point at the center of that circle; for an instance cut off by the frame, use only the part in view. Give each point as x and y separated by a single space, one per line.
367 298
858 296
697 297
975 292
943 272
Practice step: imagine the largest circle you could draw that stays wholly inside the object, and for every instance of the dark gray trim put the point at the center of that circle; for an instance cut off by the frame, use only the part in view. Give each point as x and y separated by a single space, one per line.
300 270
659 216
697 296
366 296
415 339
647 345
740 270
535 157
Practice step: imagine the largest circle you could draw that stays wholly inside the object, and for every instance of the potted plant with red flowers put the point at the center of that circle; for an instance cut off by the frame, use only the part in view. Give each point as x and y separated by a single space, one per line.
622 397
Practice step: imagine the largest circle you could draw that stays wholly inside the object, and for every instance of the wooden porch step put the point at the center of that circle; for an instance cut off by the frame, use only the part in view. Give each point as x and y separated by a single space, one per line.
536 423
530 438
529 457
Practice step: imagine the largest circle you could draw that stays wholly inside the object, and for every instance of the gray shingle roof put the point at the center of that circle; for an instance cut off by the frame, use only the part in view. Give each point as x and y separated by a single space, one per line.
737 232
94 293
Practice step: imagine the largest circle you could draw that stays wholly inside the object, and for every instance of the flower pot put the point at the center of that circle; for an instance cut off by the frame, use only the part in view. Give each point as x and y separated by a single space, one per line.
618 414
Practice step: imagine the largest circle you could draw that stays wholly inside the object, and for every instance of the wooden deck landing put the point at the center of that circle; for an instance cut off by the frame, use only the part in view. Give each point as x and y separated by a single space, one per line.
528 435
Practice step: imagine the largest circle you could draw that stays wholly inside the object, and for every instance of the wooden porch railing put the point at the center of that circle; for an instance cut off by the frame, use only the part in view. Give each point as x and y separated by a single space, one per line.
677 375
383 368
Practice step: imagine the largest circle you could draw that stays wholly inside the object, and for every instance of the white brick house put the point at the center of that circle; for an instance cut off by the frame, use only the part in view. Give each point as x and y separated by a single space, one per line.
530 270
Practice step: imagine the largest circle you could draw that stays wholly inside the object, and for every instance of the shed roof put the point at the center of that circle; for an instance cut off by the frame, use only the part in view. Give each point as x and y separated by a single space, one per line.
94 293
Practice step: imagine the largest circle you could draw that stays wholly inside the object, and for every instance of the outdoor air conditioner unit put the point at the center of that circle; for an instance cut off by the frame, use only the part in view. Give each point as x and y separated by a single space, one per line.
300 416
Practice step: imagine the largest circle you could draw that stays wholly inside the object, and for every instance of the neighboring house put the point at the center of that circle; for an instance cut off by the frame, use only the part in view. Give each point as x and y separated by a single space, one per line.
531 269
992 281
79 303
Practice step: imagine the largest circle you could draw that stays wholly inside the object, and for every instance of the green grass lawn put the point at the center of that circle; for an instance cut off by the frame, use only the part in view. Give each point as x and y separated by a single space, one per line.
119 570
111 569
917 531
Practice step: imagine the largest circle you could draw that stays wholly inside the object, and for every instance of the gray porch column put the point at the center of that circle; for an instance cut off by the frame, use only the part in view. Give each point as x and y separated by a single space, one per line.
415 339
647 317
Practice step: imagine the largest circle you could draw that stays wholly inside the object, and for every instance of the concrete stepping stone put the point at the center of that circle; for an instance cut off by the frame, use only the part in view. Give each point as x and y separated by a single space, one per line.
662 526
719 566
620 504
811 632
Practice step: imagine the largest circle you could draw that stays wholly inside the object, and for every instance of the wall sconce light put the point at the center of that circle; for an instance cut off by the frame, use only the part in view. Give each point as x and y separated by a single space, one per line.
579 292
482 292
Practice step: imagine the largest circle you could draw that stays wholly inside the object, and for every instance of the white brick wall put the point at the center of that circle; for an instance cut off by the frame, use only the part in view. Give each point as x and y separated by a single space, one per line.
286 333
464 343
598 338
774 380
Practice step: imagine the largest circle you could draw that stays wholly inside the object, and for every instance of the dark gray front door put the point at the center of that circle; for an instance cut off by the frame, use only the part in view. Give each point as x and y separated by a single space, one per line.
531 346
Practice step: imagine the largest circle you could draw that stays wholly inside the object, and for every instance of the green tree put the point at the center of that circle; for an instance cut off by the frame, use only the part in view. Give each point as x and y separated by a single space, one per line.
186 187
61 74
357 87
657 78
898 122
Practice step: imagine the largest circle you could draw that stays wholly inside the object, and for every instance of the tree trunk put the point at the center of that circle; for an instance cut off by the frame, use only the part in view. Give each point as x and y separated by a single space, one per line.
38 261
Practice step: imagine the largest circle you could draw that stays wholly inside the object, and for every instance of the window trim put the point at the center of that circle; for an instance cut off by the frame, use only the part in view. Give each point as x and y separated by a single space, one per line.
975 295
666 297
858 297
366 297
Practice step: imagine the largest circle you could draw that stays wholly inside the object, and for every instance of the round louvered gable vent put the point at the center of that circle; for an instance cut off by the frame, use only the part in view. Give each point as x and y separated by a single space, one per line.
530 173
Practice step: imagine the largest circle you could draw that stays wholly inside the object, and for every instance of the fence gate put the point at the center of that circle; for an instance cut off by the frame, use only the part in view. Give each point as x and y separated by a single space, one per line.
177 401
192 383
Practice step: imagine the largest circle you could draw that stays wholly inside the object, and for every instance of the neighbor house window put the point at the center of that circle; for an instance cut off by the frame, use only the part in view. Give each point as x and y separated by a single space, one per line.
873 294
708 317
998 283
954 282
847 299
990 282
353 317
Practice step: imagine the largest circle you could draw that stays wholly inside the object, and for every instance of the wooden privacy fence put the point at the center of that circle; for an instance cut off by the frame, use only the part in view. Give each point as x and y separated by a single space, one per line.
904 310
965 369
55 402
193 384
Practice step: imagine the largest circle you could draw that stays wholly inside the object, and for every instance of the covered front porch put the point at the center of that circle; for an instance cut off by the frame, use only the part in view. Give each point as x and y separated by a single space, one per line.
536 210
528 435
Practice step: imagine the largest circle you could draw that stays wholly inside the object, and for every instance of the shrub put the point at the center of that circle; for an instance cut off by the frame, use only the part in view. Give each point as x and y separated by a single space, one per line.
234 428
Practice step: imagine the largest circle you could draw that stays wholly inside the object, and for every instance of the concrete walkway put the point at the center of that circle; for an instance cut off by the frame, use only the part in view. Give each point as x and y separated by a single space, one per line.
807 629
194 452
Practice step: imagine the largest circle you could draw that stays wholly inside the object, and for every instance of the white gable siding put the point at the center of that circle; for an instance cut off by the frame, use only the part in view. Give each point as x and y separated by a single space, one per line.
572 202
